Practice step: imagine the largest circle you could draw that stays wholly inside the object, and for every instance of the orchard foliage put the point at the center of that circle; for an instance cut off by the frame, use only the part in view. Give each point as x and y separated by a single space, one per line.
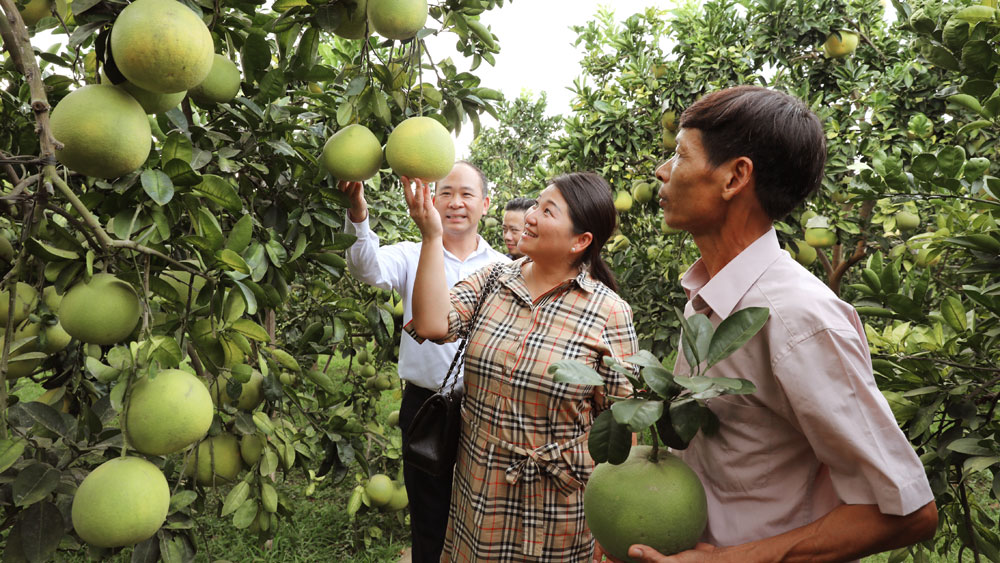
230 233
911 119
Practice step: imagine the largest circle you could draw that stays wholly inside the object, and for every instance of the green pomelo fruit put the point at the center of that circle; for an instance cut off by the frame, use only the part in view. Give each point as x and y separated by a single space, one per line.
103 311
907 221
623 201
251 448
153 102
398 501
217 460
397 19
661 504
251 393
35 10
805 254
818 237
352 20
643 193
104 131
168 412
52 298
162 46
122 502
55 338
420 147
352 154
392 419
6 250
836 47
221 85
24 303
380 488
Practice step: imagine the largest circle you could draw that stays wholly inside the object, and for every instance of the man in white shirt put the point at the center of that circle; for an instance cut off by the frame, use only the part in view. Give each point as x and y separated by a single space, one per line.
461 198
812 466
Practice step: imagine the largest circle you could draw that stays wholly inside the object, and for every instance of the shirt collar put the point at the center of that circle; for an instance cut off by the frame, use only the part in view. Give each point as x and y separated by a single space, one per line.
481 247
723 292
583 280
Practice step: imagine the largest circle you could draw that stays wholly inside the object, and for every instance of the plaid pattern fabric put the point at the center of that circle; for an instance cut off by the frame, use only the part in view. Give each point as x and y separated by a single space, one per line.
523 458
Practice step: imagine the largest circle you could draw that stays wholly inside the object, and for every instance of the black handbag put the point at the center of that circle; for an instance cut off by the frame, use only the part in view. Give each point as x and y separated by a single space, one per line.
434 432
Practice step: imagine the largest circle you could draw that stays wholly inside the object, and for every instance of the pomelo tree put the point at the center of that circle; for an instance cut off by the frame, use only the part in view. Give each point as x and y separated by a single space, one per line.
226 229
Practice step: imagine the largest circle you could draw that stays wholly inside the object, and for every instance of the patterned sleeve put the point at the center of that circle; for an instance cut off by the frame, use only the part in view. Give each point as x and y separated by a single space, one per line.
620 338
464 295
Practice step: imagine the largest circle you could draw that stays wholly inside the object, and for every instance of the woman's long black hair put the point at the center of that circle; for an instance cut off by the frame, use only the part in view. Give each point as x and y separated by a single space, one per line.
591 209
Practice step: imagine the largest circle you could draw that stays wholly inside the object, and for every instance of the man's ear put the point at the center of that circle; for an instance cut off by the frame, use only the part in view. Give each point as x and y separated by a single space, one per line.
740 176
486 204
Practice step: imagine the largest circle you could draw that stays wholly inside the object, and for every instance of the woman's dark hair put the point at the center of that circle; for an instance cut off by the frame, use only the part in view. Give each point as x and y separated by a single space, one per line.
519 204
776 131
592 210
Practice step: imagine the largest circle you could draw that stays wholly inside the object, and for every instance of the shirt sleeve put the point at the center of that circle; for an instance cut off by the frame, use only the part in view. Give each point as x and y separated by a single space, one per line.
848 422
620 338
382 267
464 295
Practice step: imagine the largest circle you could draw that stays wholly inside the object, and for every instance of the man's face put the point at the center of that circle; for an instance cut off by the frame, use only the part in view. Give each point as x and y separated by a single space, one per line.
691 192
513 226
459 199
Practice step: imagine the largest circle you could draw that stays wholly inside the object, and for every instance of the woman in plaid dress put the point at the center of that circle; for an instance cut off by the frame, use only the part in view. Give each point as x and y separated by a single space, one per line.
523 458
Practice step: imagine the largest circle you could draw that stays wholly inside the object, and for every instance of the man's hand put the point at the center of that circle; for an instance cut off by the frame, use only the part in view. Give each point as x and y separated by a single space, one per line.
421 204
356 193
646 554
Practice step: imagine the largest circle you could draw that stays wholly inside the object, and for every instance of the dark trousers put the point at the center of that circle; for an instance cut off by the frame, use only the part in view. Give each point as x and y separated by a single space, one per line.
429 496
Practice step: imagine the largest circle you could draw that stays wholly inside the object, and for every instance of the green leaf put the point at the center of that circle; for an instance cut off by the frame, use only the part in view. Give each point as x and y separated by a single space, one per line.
661 381
233 260
977 464
688 417
10 452
250 329
34 483
576 373
45 415
181 173
609 441
248 296
924 166
245 514
177 146
951 159
47 252
943 58
157 186
235 498
696 337
275 252
273 84
220 191
255 54
637 414
182 500
735 331
904 306
953 313
970 446
41 529
241 234
208 227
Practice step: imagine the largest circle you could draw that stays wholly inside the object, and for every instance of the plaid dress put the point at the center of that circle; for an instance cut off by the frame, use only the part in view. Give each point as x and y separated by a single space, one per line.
523 458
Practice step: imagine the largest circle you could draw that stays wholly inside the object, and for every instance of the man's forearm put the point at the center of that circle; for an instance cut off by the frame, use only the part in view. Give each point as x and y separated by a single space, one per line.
848 532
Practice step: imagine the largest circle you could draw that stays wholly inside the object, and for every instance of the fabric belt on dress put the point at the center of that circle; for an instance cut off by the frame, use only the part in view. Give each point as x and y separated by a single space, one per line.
528 468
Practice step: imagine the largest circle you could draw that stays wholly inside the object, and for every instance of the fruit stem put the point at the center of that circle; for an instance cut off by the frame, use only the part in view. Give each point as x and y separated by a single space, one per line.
654 452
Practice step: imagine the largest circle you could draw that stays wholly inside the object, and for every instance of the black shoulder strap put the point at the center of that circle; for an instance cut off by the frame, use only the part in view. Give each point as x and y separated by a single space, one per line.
488 288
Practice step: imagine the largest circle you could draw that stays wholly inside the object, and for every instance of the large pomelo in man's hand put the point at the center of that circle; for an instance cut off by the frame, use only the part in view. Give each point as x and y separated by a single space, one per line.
221 85
397 19
162 46
122 502
102 311
658 503
420 147
352 154
104 131
168 412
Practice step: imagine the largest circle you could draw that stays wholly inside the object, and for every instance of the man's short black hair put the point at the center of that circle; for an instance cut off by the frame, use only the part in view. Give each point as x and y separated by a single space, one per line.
519 204
776 131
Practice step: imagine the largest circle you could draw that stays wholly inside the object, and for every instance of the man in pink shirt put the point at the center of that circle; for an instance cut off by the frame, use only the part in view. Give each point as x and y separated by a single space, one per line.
811 467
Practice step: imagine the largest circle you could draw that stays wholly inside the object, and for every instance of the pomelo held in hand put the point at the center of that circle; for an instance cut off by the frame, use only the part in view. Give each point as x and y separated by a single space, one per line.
168 412
661 504
104 131
162 46
122 502
103 311
420 147
352 154
397 19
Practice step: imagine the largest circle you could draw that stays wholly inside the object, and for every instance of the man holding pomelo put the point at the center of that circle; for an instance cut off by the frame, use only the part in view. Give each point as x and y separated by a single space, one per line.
811 467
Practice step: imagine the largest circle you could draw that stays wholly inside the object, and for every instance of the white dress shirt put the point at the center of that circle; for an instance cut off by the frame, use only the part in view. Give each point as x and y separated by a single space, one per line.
817 433
394 267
